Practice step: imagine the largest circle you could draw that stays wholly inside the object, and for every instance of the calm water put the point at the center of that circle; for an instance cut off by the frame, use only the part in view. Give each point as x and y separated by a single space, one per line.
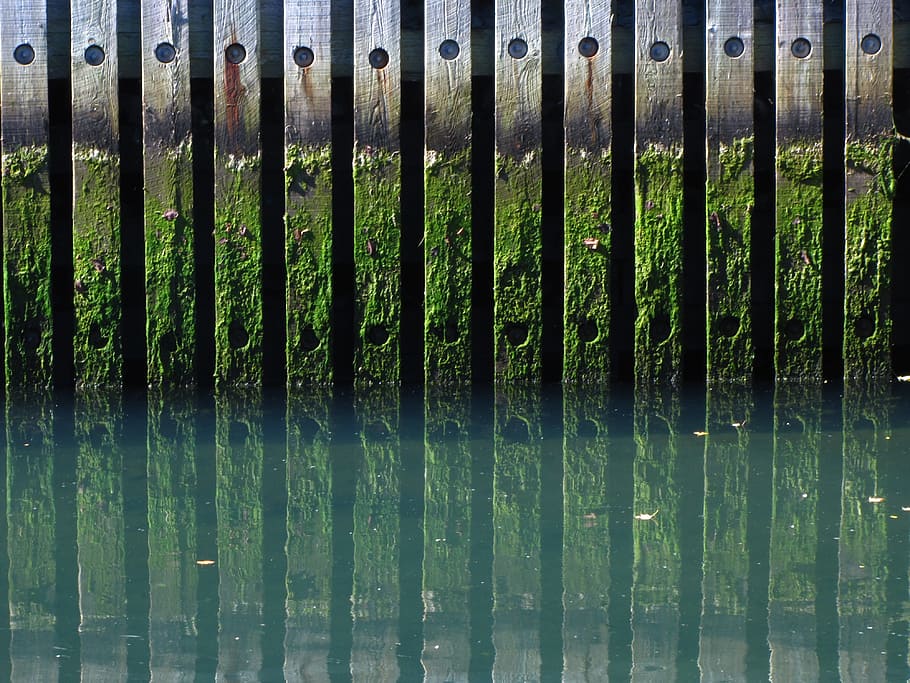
514 537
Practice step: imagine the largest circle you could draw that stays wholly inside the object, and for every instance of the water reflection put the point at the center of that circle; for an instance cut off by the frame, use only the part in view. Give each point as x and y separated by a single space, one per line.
459 536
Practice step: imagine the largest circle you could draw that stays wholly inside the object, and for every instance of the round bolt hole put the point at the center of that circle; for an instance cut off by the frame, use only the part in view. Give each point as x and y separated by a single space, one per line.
32 337
95 339
237 335
660 329
238 433
449 50
94 55
587 331
304 57
871 44
24 54
451 333
659 51
516 333
165 53
587 429
308 339
517 48
166 346
235 53
864 327
379 58
801 48
728 326
734 47
794 329
588 47
376 431
377 334
516 431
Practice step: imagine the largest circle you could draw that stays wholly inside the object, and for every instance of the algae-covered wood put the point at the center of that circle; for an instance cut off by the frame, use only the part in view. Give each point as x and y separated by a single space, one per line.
517 212
730 188
97 343
167 153
238 188
798 233
870 184
447 191
308 190
588 205
658 192
26 201
377 191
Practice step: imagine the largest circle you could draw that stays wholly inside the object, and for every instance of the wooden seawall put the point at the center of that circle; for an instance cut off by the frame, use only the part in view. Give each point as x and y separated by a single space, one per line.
383 191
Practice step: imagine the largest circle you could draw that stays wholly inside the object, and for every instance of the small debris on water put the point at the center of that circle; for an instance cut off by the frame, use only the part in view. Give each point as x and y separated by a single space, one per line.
591 243
647 516
876 499
700 433
903 378
205 563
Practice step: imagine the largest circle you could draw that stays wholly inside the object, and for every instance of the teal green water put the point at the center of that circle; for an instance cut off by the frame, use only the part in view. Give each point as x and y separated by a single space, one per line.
507 536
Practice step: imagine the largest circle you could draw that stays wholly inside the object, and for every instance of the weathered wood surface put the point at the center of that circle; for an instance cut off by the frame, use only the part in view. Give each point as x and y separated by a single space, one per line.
308 225
798 233
447 191
97 343
238 185
588 171
167 154
730 188
870 184
377 191
26 201
517 211
658 193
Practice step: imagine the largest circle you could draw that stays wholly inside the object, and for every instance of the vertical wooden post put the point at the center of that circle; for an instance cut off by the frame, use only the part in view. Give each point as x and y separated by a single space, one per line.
377 191
798 285
97 345
658 192
26 199
868 54
447 191
588 212
517 302
238 185
730 189
308 190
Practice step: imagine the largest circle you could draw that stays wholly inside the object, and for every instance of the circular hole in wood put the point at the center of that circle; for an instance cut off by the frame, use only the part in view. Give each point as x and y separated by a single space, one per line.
587 429
379 58
587 331
871 44
237 335
165 53
588 47
518 48
32 337
516 431
377 334
304 57
24 54
449 50
94 55
801 48
728 326
95 339
308 339
235 53
794 329
660 329
516 333
659 51
864 327
734 47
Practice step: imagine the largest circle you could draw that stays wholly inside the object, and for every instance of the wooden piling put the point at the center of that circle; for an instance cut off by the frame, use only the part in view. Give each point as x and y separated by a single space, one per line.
447 191
308 226
97 344
588 202
870 183
798 234
377 191
238 187
517 213
658 193
730 189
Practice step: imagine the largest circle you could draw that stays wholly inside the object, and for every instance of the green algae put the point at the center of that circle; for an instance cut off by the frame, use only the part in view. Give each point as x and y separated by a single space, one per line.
27 264
447 258
517 303
729 201
238 271
308 259
588 239
377 252
798 282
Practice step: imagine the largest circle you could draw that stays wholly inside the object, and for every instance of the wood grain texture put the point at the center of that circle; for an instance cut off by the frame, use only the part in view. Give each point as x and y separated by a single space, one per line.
730 191
870 184
167 153
798 285
308 192
238 184
26 201
377 193
517 313
588 212
658 195
97 340
447 193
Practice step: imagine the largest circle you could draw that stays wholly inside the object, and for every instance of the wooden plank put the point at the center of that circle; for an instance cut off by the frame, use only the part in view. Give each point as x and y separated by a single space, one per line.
447 191
870 184
238 185
658 193
730 189
798 235
308 190
377 191
97 344
588 212
167 153
26 201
